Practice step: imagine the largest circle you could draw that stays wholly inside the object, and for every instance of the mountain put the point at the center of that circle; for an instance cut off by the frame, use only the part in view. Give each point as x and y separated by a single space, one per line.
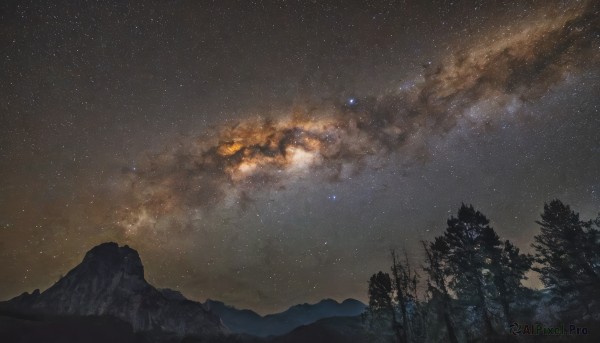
110 282
237 321
332 330
106 298
249 322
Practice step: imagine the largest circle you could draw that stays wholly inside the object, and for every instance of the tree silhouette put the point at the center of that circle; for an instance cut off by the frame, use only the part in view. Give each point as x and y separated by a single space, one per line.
469 243
405 284
568 254
508 268
381 308
436 284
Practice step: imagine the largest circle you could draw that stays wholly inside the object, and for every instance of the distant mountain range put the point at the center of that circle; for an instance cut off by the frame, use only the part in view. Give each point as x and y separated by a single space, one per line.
249 322
106 298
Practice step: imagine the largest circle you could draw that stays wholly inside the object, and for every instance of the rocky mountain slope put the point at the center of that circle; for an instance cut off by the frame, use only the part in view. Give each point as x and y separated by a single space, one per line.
110 281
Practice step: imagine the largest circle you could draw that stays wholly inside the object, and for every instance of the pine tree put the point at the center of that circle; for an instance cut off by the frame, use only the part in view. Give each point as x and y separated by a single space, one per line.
568 254
381 307
470 242
477 267
437 283
508 268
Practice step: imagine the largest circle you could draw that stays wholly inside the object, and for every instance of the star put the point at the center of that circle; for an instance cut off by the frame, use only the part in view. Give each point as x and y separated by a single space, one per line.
194 137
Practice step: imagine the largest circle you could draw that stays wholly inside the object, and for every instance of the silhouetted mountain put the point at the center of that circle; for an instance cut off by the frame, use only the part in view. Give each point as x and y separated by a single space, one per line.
237 321
332 330
249 322
110 282
106 299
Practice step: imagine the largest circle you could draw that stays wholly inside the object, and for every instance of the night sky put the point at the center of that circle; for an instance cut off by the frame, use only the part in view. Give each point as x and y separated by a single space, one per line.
269 153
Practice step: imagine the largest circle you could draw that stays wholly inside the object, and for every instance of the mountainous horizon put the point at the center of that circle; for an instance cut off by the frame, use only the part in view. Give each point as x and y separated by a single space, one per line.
249 322
110 281
178 294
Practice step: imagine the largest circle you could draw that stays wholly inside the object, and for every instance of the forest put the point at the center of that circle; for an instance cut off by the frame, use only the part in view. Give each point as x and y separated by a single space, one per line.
470 286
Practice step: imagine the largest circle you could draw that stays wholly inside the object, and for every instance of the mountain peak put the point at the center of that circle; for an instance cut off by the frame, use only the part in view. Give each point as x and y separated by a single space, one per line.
108 258
352 301
110 281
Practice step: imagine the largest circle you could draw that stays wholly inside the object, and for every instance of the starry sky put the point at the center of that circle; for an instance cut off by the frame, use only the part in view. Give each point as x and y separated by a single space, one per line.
269 153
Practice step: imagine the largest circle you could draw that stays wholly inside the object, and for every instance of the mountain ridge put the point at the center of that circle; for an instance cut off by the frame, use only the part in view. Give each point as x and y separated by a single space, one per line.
110 281
245 321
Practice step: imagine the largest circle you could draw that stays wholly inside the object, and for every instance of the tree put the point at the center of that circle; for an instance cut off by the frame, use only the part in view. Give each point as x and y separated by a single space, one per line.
405 284
381 306
470 261
508 269
469 244
436 284
568 254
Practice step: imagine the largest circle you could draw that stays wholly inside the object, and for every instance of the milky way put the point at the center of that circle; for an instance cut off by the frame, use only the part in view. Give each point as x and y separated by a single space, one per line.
482 85
272 154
